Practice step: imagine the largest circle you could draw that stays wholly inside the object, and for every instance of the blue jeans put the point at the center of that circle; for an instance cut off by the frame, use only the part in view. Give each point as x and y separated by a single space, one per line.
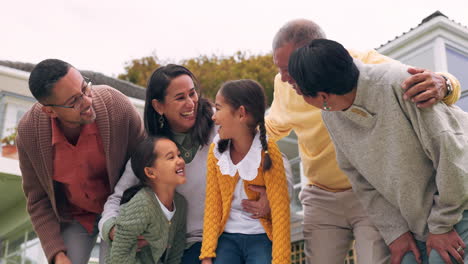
191 254
434 257
243 249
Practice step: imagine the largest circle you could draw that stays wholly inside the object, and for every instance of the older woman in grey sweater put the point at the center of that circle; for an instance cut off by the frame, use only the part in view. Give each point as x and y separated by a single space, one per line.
408 166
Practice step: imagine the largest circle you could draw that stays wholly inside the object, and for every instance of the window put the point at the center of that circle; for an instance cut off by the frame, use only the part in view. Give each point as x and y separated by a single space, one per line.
12 110
457 63
423 59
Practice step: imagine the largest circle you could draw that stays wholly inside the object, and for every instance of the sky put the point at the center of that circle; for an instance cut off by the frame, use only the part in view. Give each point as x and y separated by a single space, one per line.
102 35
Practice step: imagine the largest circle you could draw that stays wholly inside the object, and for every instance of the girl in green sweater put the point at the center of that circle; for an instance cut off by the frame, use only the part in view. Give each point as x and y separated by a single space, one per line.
152 209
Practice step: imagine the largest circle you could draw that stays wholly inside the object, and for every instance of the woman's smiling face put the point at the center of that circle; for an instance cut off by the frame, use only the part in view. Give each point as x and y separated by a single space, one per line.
180 104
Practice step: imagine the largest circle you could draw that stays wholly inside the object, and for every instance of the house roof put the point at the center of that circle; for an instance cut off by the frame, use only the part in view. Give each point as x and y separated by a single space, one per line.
424 21
127 88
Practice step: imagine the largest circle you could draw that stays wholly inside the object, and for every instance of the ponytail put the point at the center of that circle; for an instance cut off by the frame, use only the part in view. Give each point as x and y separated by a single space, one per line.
267 159
130 192
222 145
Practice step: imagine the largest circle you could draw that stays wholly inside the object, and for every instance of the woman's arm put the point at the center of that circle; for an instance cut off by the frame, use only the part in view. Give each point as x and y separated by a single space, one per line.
112 205
383 214
443 133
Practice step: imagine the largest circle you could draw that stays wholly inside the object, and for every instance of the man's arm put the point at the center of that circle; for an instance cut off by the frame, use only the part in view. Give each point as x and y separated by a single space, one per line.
261 207
45 222
275 122
424 87
136 132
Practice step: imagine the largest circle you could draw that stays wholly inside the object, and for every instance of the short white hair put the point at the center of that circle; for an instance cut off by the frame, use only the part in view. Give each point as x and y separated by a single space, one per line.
299 32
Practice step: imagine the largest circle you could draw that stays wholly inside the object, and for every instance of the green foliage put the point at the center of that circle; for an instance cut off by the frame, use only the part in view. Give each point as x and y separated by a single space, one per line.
138 71
212 71
10 139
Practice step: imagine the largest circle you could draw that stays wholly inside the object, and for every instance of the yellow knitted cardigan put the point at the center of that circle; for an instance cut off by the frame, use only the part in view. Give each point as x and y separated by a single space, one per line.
219 192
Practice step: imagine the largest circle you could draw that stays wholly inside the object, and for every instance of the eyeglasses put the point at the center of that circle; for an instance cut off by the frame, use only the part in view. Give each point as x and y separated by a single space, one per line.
78 100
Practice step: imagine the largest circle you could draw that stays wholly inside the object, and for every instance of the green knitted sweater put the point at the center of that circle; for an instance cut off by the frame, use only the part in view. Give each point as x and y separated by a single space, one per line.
142 215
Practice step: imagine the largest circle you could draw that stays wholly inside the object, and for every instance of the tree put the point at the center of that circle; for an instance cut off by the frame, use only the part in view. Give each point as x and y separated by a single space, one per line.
212 71
138 71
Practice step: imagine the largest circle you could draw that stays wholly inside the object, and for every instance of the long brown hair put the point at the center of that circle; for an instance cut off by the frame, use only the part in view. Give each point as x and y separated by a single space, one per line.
251 95
157 87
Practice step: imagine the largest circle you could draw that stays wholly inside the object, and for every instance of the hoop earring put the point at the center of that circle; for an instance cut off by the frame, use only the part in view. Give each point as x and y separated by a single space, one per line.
325 106
161 121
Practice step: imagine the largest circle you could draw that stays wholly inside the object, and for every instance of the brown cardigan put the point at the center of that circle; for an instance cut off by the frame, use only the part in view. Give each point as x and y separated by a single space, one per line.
120 128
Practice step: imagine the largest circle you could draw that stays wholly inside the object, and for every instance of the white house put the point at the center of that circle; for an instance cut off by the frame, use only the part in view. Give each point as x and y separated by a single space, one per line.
438 44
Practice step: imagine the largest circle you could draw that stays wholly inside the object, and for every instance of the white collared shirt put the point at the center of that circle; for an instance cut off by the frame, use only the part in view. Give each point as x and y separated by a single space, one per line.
240 221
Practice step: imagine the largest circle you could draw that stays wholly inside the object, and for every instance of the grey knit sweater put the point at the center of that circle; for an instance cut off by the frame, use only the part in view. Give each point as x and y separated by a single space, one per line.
408 166
142 215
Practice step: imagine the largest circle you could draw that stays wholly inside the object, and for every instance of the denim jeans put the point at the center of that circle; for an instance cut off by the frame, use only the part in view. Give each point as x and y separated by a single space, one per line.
191 254
434 257
243 249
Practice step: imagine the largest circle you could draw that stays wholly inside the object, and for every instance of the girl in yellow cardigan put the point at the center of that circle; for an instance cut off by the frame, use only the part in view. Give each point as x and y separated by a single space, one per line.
242 156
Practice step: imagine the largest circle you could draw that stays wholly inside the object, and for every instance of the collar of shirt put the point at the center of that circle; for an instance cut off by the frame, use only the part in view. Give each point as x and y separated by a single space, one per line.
247 167
59 137
186 146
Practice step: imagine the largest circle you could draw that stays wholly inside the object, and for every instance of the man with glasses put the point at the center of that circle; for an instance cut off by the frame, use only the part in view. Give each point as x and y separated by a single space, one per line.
73 145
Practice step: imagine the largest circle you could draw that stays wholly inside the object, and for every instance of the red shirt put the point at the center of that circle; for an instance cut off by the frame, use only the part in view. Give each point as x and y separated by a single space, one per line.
81 170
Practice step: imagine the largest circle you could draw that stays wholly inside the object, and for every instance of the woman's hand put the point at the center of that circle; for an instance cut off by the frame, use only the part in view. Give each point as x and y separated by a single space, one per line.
448 244
259 208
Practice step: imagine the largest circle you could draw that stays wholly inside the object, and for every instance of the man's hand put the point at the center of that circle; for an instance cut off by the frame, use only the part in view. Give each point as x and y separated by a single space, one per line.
141 242
400 246
260 208
424 87
448 244
61 258
207 261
